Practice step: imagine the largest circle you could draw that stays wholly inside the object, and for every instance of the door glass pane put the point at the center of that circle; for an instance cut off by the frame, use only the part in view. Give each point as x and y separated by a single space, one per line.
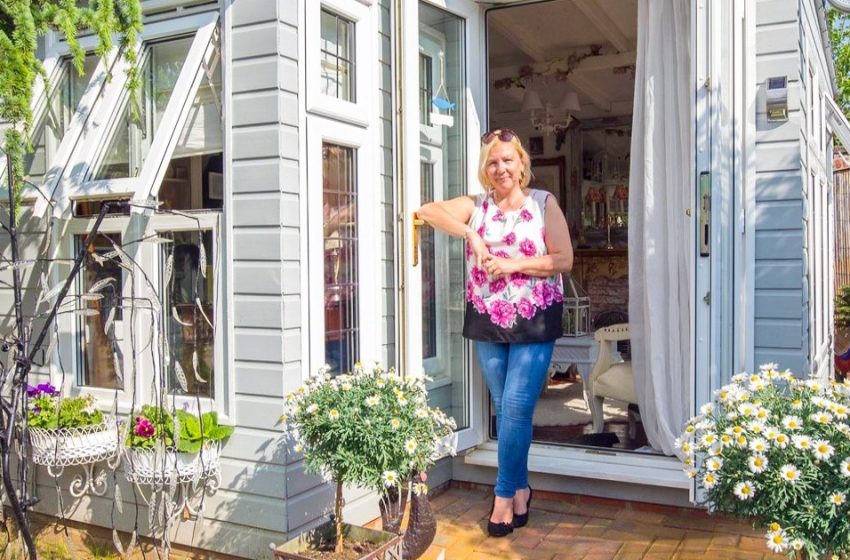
188 311
64 97
100 331
341 276
132 139
446 360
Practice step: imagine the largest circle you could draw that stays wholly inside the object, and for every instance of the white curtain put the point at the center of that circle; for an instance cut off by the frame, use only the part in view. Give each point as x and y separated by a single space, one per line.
660 243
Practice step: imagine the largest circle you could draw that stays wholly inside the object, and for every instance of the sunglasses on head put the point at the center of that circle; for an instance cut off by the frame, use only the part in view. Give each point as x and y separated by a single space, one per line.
503 134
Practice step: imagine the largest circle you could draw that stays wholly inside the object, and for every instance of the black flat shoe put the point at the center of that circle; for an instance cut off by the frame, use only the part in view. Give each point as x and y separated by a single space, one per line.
498 529
521 519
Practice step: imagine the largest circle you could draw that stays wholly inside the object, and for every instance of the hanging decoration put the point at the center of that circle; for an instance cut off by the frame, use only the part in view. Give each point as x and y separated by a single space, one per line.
443 116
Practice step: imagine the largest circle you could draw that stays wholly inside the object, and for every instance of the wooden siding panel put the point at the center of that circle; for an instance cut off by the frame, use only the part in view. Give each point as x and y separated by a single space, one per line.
249 12
779 245
253 378
781 64
260 108
288 11
778 156
779 186
261 278
298 480
259 412
253 245
260 175
775 11
778 333
249 478
257 40
309 507
257 74
777 38
255 445
779 215
260 313
252 143
775 304
258 346
252 211
779 275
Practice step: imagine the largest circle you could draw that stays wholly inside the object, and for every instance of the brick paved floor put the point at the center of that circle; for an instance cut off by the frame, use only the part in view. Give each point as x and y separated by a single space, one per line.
582 528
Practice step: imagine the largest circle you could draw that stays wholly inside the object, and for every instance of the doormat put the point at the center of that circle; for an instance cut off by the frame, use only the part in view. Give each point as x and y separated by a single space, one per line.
564 405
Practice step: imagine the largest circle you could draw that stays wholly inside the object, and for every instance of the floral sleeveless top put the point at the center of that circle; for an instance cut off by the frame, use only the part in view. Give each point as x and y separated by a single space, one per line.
519 307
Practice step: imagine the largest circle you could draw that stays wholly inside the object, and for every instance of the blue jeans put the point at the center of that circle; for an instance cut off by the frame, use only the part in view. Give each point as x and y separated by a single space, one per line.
515 374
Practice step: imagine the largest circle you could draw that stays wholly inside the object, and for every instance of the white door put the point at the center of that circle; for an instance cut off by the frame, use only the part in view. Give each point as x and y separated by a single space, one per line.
443 72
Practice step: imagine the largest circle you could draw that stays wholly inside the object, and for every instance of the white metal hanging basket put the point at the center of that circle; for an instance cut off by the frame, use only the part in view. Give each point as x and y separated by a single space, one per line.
160 466
62 447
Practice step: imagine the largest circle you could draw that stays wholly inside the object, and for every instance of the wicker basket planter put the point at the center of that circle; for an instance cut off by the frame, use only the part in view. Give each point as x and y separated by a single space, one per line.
61 447
298 548
159 466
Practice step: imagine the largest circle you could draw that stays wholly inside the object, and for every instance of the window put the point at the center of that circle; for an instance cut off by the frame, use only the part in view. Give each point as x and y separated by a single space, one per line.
338 75
339 60
425 88
100 326
427 251
341 278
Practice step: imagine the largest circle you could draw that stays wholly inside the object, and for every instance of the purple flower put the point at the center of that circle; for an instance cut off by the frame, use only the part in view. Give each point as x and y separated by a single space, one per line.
144 428
518 279
503 313
478 276
526 308
498 216
525 215
497 285
31 391
509 239
46 388
478 303
527 247
36 409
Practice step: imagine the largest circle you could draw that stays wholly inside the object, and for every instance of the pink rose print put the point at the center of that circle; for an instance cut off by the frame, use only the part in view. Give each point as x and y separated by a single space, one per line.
539 295
559 296
478 276
468 250
527 247
525 308
503 313
498 216
502 254
548 294
497 285
479 305
480 231
509 239
518 279
485 206
470 290
525 215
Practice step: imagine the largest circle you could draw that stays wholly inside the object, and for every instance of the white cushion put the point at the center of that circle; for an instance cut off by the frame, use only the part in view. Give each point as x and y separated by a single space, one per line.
616 383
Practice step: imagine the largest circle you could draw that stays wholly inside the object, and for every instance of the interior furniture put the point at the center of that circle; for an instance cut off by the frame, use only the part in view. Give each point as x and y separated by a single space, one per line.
611 377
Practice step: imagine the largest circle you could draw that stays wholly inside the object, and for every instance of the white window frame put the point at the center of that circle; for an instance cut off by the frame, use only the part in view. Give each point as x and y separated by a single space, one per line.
78 183
360 111
368 221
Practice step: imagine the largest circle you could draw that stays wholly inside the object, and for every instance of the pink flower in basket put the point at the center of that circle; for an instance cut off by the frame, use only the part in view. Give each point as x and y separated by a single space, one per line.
144 428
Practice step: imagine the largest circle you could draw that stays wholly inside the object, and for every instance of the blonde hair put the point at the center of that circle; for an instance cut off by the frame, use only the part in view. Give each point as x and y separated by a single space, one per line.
525 175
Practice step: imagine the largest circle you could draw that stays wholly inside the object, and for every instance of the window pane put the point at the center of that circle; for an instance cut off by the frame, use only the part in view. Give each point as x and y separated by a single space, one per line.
131 142
425 88
428 260
187 327
100 346
65 95
339 210
337 55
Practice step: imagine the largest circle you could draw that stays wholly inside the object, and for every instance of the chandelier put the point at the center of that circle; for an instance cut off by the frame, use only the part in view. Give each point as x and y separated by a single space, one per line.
546 117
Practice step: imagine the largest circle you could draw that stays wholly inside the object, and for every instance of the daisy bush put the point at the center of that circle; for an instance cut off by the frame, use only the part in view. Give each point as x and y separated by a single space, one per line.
371 428
777 448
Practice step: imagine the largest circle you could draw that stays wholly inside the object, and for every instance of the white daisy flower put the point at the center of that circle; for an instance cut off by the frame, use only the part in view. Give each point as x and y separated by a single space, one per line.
757 463
790 473
796 544
777 541
687 448
759 445
797 404
762 414
744 490
814 385
312 408
792 423
395 423
770 433
840 411
725 440
713 463
421 413
691 472
741 441
768 366
756 427
802 442
707 408
373 400
333 414
837 498
821 417
299 447
708 439
844 468
746 409
402 400
420 488
410 445
346 386
390 478
709 480
781 440
822 450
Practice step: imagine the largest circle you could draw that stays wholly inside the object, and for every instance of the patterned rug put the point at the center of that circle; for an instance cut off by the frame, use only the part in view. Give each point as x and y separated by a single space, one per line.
564 405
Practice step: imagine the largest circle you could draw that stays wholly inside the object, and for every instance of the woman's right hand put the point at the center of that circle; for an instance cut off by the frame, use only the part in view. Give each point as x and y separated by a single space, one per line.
478 248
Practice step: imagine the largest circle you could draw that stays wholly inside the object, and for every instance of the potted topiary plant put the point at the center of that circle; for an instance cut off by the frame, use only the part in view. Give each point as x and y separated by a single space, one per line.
372 428
777 449
67 431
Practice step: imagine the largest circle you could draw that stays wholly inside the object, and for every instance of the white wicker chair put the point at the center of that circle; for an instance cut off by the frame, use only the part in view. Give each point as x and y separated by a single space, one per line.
610 379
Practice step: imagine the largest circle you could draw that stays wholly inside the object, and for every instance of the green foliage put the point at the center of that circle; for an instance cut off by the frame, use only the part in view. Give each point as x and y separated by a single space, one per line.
839 35
372 428
48 410
194 431
842 307
22 22
777 449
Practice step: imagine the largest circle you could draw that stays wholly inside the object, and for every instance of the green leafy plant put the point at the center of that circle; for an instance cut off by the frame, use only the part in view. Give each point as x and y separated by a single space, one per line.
22 22
153 426
372 428
842 307
49 410
193 431
777 449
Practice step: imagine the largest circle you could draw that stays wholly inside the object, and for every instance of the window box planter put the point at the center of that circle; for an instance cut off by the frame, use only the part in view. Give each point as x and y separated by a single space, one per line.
301 547
159 466
61 447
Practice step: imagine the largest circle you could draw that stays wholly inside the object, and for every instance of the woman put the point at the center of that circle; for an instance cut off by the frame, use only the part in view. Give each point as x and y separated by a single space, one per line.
517 246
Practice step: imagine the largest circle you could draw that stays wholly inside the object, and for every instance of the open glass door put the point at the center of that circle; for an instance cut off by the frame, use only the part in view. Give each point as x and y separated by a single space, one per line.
443 100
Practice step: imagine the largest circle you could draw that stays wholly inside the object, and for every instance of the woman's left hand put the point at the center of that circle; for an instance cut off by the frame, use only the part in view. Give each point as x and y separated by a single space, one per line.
499 266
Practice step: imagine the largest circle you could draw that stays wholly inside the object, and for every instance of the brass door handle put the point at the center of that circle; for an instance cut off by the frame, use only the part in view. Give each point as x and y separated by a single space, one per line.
417 223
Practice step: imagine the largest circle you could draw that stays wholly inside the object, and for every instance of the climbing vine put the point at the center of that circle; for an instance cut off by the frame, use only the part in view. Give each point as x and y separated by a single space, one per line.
22 22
